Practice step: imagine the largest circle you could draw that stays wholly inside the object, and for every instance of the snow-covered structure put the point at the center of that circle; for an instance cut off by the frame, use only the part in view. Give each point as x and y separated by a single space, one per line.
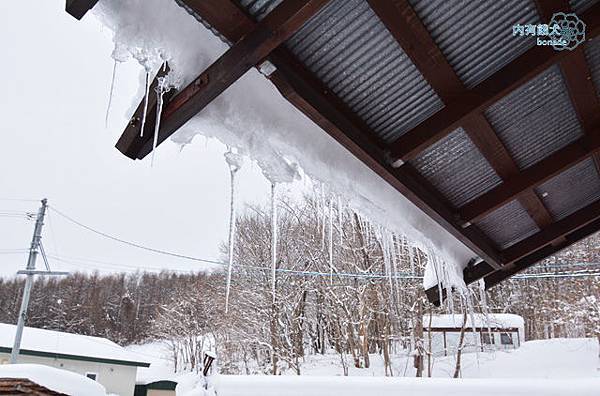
475 148
482 332
33 378
96 358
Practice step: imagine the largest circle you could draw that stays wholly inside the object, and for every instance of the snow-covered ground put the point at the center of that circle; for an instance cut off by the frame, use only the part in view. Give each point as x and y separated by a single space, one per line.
542 367
386 386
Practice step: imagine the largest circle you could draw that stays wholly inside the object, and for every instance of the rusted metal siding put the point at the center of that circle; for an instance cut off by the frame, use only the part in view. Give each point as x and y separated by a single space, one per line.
456 168
508 225
571 190
476 36
537 119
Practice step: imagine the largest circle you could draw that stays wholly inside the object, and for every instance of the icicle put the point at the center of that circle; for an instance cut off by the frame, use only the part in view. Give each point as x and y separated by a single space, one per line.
163 86
273 237
471 310
234 161
110 95
323 216
147 90
340 219
331 240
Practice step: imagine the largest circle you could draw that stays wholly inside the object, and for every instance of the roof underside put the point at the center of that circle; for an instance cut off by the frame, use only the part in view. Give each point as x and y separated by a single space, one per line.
492 136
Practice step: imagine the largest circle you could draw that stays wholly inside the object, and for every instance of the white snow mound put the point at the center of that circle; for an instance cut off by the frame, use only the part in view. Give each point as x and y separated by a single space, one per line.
60 381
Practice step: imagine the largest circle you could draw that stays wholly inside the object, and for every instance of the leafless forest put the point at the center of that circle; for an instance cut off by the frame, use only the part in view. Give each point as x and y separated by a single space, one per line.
343 286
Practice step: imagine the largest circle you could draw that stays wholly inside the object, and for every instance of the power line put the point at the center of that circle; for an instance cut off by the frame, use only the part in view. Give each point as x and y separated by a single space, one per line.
290 271
133 244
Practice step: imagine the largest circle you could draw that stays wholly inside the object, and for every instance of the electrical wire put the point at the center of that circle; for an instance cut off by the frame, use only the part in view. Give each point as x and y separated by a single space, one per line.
133 244
408 276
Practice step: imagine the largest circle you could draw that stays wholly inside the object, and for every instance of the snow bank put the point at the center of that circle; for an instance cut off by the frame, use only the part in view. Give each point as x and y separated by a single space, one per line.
386 386
481 320
252 116
193 384
71 344
60 381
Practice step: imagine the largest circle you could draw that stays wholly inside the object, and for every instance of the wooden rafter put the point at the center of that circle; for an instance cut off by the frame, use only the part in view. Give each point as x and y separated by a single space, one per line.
568 239
78 8
485 138
530 178
408 30
476 100
254 46
556 231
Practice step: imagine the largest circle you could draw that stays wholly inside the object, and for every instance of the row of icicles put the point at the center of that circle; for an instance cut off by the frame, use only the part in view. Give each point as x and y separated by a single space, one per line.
234 162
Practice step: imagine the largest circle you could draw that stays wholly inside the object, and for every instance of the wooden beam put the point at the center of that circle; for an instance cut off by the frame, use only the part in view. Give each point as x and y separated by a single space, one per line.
557 230
485 139
130 143
471 273
524 254
529 178
311 97
498 276
78 8
408 30
577 76
506 80
224 16
277 27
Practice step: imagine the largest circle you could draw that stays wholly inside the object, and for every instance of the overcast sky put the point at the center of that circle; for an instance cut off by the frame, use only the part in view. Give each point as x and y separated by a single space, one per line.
56 79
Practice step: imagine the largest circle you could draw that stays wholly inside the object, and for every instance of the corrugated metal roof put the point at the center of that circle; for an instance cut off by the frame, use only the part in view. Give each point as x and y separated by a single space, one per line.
456 168
571 190
537 119
259 8
348 47
578 6
592 54
508 225
476 36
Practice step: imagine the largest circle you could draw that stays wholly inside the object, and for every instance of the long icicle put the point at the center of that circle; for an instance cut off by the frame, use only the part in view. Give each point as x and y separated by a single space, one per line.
273 237
145 103
161 88
110 95
331 240
232 172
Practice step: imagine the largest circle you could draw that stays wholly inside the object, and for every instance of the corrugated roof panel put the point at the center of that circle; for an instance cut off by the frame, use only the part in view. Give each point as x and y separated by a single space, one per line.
508 225
592 54
537 119
456 168
476 36
348 47
259 8
571 190
578 6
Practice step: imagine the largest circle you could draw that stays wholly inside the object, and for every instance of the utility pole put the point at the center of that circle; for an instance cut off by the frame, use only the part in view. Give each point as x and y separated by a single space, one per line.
30 271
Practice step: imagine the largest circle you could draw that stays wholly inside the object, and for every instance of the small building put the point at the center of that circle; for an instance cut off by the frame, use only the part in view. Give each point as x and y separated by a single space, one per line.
489 332
96 358
41 380
156 388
